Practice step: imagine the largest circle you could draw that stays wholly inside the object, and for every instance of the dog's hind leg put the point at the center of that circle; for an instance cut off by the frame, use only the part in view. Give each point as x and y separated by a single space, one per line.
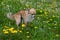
18 20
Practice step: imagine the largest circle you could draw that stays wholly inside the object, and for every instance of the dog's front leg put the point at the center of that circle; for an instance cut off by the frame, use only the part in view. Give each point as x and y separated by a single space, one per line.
25 20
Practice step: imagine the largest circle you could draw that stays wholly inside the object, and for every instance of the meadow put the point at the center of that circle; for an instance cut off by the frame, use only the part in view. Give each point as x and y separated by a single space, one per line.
45 26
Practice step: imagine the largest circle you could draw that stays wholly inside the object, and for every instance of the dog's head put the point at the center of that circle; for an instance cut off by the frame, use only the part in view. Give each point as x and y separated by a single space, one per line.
30 14
32 11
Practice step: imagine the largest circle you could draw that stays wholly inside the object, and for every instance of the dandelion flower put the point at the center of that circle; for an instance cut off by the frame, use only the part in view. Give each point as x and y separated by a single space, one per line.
5 31
57 35
50 19
53 16
28 36
55 24
20 31
35 27
45 13
41 11
27 32
6 27
14 31
23 25
11 29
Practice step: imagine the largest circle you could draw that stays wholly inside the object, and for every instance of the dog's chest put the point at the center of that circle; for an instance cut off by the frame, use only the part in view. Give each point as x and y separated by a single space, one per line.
29 18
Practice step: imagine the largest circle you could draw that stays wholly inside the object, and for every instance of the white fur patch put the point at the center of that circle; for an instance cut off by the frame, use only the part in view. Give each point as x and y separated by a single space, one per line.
26 12
29 17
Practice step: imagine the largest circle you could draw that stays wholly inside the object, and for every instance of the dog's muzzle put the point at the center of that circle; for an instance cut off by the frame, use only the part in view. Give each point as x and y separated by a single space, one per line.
33 15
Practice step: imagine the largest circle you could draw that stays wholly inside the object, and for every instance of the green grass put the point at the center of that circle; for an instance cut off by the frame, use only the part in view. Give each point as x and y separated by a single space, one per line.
45 26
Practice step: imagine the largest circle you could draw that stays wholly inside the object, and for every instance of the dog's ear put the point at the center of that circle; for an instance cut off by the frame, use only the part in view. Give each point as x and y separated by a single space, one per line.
27 9
32 11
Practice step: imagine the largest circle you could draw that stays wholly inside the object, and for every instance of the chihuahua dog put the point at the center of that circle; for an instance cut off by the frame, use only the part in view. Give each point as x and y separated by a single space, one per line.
25 15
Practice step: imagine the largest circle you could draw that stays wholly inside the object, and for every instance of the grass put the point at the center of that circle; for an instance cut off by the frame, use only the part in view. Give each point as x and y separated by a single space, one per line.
45 26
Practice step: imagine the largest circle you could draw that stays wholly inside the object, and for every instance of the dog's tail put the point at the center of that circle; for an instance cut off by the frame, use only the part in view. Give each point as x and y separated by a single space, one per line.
10 16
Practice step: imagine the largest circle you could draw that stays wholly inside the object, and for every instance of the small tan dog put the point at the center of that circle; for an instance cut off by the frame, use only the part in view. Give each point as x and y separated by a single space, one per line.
26 15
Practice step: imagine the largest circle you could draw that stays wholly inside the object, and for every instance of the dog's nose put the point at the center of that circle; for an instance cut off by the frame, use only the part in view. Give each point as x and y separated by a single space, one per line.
33 15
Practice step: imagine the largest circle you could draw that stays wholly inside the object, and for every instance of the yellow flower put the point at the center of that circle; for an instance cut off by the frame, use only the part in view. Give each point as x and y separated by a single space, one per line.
14 31
45 13
53 16
57 35
28 36
6 27
5 31
50 19
27 32
10 29
23 25
20 31
35 27
41 11
55 24
38 17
